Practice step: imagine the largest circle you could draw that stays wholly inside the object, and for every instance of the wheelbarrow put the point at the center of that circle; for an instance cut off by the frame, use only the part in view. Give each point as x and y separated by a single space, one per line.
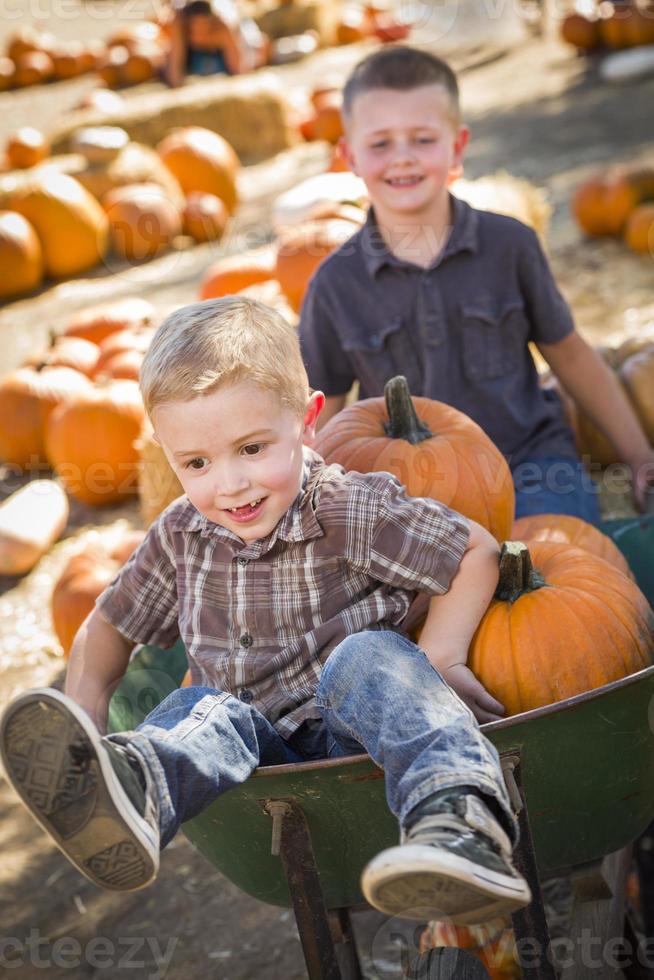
579 774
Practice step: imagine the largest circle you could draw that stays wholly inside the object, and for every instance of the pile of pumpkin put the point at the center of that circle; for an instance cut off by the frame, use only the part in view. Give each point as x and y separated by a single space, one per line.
130 56
618 203
369 20
633 364
56 225
609 26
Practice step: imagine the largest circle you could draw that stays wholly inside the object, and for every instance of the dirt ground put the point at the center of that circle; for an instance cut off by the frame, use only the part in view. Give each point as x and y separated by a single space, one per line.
536 111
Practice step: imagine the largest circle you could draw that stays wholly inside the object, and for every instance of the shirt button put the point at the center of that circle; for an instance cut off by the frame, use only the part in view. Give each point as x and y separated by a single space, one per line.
246 640
246 696
242 561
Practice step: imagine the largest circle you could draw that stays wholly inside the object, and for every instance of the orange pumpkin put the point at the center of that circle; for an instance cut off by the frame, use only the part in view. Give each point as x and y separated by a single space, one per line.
433 449
301 249
562 622
623 192
68 61
639 230
142 219
27 398
26 147
90 442
7 74
233 273
95 323
328 121
637 375
70 223
122 352
111 66
582 32
27 40
201 160
588 207
21 259
134 35
84 577
204 217
32 69
565 529
71 352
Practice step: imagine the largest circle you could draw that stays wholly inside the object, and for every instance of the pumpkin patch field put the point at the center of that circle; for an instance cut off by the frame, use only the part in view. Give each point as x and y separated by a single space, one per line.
112 216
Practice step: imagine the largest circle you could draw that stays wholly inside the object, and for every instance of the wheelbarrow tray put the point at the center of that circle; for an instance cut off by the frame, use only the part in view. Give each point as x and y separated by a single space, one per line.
587 767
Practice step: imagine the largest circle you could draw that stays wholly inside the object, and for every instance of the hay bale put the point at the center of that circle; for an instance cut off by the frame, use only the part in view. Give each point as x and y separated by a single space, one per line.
296 17
250 111
505 194
158 485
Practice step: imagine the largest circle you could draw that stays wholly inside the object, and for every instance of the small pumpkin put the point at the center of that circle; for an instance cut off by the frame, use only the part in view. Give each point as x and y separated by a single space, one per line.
142 220
201 160
121 353
27 40
639 230
302 248
562 622
84 577
111 66
90 442
95 323
21 258
588 207
580 31
68 60
233 273
565 529
70 223
433 449
7 74
71 352
32 69
204 217
27 398
623 193
26 147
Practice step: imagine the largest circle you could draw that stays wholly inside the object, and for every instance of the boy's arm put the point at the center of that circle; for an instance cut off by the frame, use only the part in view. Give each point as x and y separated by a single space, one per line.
592 384
453 618
98 659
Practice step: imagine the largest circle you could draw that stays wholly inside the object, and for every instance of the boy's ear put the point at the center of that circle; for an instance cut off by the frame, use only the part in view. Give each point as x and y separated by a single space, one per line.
346 153
459 149
314 408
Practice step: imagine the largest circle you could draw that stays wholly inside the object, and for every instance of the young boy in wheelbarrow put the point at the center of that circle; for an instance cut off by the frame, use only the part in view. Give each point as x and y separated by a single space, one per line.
288 581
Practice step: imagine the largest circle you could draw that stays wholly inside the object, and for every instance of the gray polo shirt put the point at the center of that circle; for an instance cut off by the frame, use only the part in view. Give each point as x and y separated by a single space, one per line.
457 330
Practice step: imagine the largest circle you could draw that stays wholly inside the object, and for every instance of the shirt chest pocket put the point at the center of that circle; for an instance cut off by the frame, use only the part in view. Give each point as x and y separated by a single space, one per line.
493 338
383 353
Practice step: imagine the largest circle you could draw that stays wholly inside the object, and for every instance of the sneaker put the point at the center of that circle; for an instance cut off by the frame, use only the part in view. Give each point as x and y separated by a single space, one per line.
454 862
87 793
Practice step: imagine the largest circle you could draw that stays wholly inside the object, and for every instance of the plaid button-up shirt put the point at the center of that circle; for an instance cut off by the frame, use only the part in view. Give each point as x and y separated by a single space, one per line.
260 619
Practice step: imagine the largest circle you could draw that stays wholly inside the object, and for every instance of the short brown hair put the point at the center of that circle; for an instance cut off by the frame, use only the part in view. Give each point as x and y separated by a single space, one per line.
218 342
402 68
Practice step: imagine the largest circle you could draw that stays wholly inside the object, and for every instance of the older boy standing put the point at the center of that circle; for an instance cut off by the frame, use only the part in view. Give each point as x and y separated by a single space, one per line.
288 581
450 296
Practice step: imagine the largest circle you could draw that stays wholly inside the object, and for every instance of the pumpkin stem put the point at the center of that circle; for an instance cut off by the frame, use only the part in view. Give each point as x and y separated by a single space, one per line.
517 574
403 423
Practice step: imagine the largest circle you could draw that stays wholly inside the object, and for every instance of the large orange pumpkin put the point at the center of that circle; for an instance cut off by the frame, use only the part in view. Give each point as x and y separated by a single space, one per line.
563 622
21 259
201 160
70 223
433 449
302 248
233 273
204 216
98 322
142 219
27 397
84 577
91 442
565 529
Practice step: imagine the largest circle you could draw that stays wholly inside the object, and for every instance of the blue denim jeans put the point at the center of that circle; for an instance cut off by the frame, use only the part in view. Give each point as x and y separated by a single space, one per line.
378 693
555 485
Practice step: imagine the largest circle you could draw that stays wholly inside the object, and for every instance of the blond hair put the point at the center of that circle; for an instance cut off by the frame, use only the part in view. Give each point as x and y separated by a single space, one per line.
201 347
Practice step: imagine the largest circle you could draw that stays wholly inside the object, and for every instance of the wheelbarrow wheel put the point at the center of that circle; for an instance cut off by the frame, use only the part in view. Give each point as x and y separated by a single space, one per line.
447 963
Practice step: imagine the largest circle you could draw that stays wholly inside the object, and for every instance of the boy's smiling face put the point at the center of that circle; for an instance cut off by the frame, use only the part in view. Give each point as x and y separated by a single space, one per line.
407 146
237 452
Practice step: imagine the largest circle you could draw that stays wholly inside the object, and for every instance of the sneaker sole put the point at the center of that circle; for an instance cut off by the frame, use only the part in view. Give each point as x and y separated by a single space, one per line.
88 815
439 885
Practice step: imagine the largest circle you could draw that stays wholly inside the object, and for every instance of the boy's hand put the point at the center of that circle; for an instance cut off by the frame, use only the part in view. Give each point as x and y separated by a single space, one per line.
473 693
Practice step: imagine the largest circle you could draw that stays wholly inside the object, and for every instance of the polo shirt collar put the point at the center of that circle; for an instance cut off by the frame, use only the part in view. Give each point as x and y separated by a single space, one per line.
463 237
299 523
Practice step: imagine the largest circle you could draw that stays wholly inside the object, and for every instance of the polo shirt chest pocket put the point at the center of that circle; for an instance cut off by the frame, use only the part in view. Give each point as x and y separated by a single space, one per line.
383 353
492 338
